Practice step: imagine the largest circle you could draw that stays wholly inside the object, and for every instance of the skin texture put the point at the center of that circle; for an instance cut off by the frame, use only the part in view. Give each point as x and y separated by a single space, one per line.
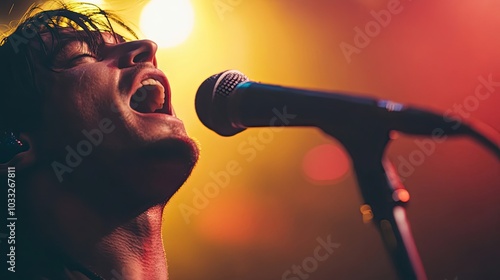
106 214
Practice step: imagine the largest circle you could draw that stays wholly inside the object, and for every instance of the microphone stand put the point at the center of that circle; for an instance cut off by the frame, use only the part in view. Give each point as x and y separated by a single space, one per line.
383 193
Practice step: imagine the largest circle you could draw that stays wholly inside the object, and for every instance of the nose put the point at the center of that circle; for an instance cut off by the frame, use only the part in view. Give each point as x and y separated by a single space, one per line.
134 52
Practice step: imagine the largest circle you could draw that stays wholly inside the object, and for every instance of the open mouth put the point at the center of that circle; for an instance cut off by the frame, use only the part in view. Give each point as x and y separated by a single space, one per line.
151 97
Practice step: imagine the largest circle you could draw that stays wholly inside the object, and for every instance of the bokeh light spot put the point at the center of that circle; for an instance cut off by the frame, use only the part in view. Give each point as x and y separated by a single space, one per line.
401 195
325 163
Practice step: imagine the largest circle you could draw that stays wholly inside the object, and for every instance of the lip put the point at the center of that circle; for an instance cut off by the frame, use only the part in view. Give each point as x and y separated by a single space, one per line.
158 116
157 74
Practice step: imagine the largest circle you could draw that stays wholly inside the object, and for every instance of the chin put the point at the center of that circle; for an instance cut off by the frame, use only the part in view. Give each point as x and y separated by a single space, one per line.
151 175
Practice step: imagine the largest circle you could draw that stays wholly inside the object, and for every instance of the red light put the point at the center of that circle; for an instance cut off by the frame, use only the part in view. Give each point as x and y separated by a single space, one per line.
326 162
401 195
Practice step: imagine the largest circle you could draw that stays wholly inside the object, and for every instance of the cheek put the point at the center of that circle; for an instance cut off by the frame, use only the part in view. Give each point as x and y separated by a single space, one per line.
77 100
83 95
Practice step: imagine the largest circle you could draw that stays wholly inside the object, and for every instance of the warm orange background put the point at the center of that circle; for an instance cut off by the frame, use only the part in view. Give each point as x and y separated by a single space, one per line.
269 215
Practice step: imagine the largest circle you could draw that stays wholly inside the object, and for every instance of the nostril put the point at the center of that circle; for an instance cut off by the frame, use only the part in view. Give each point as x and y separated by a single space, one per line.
142 57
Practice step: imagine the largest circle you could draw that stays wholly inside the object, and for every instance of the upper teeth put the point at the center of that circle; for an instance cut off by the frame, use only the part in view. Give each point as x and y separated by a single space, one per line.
152 84
151 81
155 92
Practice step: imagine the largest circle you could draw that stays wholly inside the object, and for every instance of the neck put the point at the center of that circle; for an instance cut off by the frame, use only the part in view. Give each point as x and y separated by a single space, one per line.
133 250
104 245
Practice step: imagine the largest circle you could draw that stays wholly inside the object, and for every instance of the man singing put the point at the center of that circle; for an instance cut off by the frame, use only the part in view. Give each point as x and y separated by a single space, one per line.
102 151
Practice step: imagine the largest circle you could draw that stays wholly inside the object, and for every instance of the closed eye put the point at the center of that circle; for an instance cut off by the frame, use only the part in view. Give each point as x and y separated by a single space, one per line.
83 58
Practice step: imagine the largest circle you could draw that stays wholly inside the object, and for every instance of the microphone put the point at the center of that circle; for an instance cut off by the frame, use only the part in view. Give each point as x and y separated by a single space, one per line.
229 102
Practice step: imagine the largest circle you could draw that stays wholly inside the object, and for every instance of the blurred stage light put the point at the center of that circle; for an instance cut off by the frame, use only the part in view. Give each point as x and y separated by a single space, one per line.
401 195
325 163
168 23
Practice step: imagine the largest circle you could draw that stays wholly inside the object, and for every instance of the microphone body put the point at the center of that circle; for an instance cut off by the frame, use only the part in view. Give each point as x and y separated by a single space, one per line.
254 104
228 102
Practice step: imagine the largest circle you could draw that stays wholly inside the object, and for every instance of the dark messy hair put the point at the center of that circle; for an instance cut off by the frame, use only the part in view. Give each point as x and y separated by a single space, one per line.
20 99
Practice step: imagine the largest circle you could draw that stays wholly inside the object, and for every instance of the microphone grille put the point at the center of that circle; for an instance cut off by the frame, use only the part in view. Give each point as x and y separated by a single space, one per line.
227 81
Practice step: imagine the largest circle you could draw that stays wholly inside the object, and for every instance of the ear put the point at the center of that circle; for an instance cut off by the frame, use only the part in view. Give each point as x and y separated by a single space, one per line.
16 152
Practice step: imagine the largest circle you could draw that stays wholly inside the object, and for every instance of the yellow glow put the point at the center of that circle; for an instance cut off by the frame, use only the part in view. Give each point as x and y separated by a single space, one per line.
168 23
95 2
